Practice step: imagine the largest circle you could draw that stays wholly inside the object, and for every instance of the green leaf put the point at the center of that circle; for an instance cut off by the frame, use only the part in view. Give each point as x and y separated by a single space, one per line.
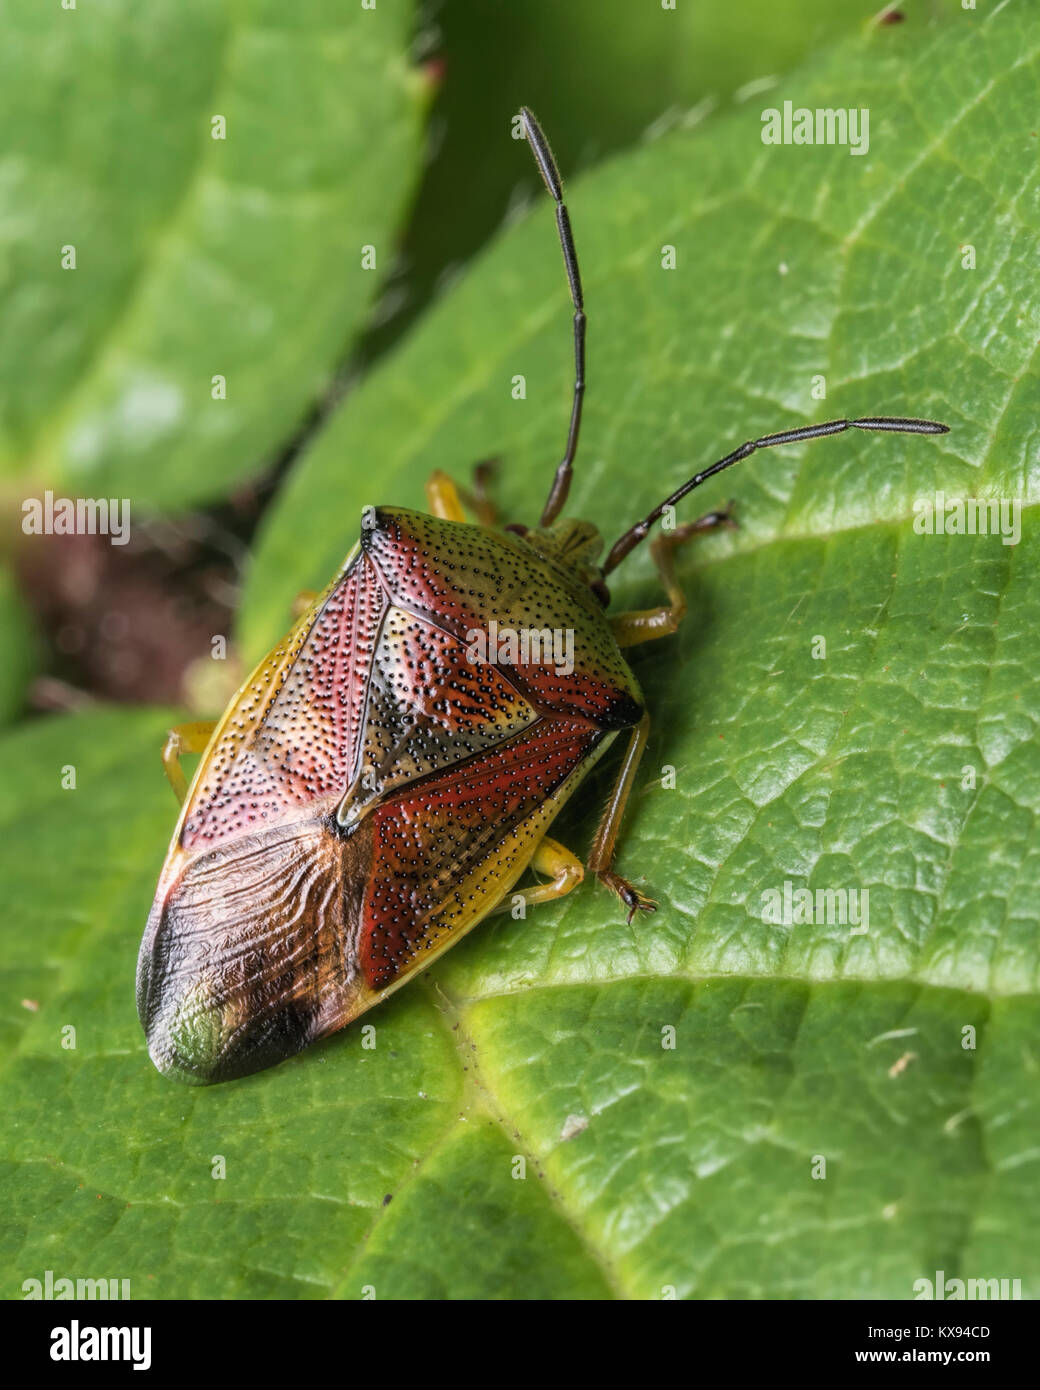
643 68
19 647
523 1108
195 257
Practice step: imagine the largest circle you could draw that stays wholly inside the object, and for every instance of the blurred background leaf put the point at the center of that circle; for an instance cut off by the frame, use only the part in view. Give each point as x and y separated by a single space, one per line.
194 256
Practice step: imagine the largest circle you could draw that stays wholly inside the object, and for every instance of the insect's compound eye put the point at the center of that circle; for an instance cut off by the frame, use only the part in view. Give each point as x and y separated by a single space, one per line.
601 592
517 527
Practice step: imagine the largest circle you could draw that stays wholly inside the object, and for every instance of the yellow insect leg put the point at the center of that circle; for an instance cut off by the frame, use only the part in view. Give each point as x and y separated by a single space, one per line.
450 502
442 497
559 865
630 629
184 738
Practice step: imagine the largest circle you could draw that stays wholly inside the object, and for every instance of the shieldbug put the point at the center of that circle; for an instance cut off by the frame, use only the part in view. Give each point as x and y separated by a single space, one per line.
384 778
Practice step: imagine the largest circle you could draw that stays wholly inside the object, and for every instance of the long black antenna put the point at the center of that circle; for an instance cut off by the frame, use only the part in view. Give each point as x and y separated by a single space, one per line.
892 424
551 175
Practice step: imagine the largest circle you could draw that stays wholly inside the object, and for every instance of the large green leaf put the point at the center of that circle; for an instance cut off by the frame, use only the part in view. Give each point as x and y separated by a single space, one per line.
904 1056
195 257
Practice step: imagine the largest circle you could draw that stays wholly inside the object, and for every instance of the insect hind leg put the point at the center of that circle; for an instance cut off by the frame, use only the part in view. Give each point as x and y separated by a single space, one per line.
604 844
563 869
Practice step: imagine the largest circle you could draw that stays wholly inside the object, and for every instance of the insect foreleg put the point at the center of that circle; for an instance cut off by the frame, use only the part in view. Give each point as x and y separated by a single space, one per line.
480 502
450 502
442 497
644 625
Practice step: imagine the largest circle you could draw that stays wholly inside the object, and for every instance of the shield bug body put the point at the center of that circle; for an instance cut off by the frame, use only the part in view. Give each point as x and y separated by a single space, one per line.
388 773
